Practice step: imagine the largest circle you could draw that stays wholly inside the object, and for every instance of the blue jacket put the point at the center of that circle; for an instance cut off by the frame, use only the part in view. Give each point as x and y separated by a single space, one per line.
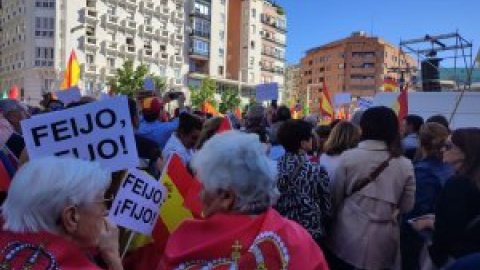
157 131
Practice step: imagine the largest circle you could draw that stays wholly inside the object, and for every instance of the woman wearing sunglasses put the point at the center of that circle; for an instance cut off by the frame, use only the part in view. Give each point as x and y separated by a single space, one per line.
457 217
54 212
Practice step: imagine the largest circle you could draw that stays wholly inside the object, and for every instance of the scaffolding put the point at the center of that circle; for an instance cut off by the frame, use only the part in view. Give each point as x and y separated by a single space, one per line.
450 46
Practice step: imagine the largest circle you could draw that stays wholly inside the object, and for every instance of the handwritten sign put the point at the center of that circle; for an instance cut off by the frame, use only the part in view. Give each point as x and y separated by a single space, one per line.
100 131
138 202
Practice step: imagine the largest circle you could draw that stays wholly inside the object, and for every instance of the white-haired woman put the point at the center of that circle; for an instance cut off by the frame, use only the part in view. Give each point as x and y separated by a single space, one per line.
54 212
240 229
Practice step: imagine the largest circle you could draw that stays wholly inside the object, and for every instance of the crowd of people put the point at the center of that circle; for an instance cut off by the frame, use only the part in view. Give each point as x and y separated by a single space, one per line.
371 193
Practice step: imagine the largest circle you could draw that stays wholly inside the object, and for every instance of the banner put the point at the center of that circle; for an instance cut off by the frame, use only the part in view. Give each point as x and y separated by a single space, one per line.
137 204
100 131
266 92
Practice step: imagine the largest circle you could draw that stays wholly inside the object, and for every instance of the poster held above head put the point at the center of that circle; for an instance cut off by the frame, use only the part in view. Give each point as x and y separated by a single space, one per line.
266 92
101 131
137 203
148 84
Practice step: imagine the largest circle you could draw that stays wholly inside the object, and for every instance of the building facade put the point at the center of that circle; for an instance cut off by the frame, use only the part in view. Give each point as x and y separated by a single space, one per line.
358 65
38 36
292 83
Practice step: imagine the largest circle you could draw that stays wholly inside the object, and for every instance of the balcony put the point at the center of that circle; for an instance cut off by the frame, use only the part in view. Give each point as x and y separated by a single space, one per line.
274 40
198 54
147 7
176 60
129 50
111 47
275 70
162 57
129 25
270 21
162 11
197 13
91 43
90 69
178 17
201 34
147 54
91 15
147 30
162 34
272 55
111 20
130 3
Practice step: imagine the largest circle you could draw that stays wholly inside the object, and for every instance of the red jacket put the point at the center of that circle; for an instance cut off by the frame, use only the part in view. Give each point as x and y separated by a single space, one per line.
41 251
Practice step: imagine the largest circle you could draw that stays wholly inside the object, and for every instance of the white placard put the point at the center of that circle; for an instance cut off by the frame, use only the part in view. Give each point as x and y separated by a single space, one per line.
137 204
100 131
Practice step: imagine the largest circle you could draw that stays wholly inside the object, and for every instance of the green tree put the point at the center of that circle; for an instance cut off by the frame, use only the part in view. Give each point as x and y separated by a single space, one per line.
129 80
229 100
160 83
206 93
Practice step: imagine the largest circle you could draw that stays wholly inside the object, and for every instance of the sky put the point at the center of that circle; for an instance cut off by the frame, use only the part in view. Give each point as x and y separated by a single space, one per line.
312 23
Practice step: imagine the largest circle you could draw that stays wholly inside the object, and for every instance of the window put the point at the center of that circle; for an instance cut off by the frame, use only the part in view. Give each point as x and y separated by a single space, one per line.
111 62
252 44
200 47
254 13
43 56
221 53
44 26
222 18
177 73
90 58
111 10
254 29
45 4
220 70
201 8
222 35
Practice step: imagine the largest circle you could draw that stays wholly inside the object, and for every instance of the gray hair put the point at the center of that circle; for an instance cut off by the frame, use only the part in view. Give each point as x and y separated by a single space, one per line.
237 161
42 188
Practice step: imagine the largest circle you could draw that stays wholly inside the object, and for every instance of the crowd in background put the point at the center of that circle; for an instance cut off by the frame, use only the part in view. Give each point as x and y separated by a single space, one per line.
370 193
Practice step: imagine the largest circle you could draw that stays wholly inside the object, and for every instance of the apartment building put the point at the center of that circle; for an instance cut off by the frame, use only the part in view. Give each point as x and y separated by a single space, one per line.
357 65
292 83
38 36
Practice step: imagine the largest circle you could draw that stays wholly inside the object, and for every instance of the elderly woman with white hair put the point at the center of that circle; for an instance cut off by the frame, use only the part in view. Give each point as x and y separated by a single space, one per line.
240 229
54 212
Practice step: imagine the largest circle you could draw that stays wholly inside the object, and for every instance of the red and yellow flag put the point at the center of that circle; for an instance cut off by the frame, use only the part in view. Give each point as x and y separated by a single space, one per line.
389 85
401 105
209 108
72 73
326 106
238 113
225 125
183 201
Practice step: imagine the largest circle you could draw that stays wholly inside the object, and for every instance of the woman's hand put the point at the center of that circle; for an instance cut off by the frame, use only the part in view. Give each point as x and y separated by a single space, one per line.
423 223
109 246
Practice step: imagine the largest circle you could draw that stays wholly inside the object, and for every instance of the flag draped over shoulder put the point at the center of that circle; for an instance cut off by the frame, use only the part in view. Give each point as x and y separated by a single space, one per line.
400 105
72 73
225 125
183 201
326 106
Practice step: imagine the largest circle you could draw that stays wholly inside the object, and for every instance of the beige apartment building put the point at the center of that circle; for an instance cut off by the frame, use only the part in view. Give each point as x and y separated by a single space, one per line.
357 65
292 82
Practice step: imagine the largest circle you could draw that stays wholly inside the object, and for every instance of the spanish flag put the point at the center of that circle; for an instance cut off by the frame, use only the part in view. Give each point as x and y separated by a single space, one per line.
238 113
401 105
183 200
72 73
326 106
225 125
389 85
209 108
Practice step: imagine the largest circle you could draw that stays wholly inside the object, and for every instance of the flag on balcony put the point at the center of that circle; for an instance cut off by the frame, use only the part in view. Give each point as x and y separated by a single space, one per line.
389 85
72 73
183 200
326 106
400 105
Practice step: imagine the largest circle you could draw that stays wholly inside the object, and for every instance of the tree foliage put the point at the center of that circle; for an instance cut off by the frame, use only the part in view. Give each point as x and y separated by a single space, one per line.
206 93
129 80
230 100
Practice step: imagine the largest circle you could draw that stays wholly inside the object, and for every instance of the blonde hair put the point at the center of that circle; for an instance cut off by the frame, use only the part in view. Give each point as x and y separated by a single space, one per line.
345 135
432 138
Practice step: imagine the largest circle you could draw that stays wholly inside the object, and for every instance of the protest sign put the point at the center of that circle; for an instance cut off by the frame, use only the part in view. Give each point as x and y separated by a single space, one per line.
137 204
266 92
100 131
148 84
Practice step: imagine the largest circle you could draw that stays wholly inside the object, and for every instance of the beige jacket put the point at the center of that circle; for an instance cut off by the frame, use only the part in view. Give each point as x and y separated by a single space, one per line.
365 232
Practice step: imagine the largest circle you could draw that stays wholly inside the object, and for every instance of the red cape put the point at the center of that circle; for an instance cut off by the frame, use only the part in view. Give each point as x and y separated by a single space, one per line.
41 251
247 241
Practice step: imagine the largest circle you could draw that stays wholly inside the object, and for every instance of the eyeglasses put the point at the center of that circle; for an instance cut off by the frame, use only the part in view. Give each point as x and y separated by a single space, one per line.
107 202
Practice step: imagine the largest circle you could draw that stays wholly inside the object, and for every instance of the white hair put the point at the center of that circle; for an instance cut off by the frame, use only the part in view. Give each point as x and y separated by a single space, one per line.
237 161
42 188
